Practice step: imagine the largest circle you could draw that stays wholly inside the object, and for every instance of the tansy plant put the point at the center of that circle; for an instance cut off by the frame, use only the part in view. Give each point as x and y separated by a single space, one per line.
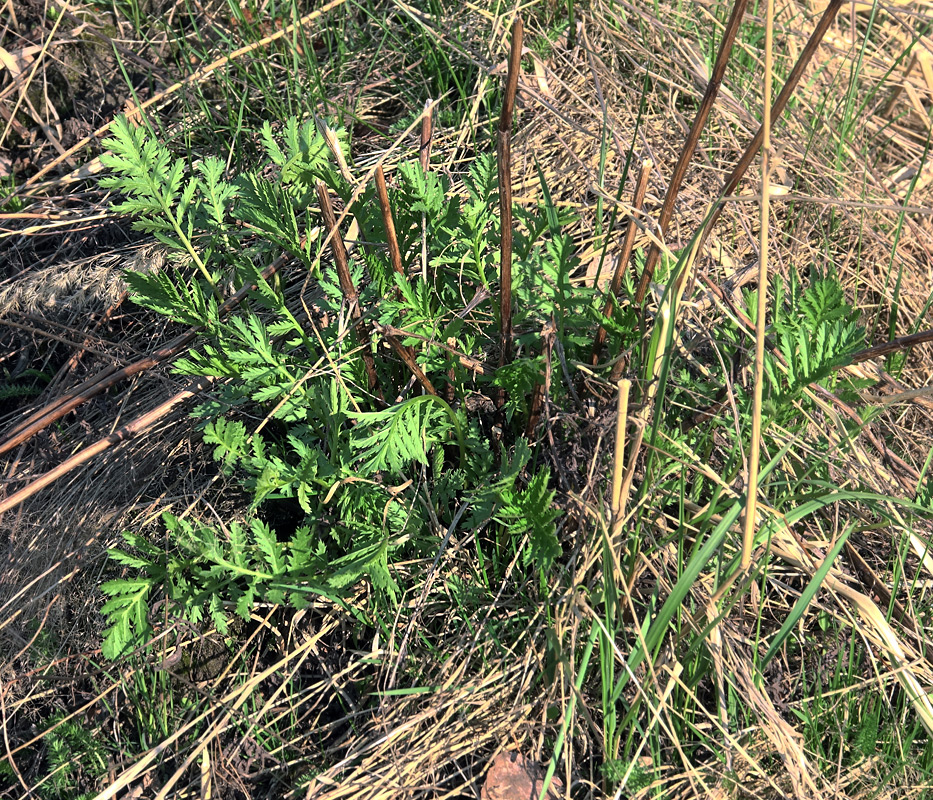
375 465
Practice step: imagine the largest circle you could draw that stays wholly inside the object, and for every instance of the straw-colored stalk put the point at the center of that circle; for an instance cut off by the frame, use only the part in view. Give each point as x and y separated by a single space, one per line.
751 484
619 457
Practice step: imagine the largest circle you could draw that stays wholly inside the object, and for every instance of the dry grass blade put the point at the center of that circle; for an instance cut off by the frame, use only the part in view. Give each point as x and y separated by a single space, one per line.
26 86
230 703
912 671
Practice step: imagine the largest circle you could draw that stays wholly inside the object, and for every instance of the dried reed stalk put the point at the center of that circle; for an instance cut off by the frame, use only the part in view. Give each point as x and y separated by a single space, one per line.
111 376
776 110
122 434
618 463
754 454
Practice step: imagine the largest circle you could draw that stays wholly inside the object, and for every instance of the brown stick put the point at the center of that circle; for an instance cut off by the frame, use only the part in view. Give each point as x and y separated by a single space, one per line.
406 354
472 364
628 244
110 376
425 153
542 390
693 137
504 153
895 345
122 434
395 254
776 110
350 294
427 133
534 410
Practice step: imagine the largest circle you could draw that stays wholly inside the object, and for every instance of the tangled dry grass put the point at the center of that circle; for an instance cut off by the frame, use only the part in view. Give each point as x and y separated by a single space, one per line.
63 312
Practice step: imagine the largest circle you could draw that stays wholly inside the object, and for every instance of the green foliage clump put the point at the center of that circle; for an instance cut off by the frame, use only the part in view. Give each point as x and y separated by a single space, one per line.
369 480
816 332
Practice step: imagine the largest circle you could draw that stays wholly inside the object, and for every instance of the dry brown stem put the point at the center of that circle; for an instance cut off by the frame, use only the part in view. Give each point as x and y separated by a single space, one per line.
690 144
110 376
395 254
777 109
351 296
124 433
504 160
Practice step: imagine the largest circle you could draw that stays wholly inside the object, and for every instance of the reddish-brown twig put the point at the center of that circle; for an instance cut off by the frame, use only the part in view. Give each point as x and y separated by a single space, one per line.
893 346
693 137
504 154
382 193
408 356
75 357
628 244
776 110
542 390
350 294
427 134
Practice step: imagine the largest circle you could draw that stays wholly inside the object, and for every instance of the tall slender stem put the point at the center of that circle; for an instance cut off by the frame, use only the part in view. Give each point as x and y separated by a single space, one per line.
693 137
504 152
751 484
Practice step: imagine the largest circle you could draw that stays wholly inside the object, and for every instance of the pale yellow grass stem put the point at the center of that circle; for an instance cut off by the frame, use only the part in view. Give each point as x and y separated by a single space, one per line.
751 484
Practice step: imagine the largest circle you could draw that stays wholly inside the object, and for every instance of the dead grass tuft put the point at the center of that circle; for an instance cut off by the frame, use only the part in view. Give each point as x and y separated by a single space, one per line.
301 688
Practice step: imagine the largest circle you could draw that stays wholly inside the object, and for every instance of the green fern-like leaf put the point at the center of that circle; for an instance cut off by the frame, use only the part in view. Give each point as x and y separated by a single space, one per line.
268 207
531 512
128 614
178 300
403 434
270 547
218 194
816 332
822 302
305 157
231 440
